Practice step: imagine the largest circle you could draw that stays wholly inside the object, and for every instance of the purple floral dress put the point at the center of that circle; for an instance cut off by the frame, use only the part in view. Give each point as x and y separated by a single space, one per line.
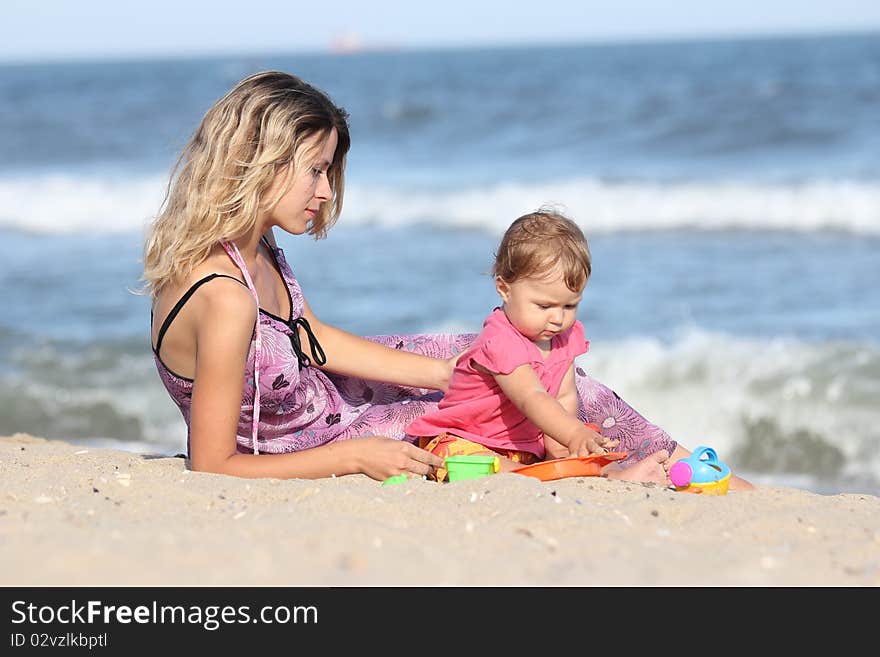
302 406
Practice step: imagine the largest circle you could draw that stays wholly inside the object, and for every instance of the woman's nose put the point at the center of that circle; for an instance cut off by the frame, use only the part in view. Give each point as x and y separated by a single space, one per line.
323 190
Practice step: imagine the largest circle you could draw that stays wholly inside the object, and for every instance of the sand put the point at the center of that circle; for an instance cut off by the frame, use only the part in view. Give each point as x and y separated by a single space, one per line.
81 516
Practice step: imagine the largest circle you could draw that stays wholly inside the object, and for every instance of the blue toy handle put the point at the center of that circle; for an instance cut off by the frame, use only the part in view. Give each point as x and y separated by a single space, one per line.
712 459
701 467
711 468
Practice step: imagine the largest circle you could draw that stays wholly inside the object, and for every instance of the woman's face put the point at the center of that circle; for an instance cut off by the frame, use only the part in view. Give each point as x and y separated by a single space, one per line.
300 204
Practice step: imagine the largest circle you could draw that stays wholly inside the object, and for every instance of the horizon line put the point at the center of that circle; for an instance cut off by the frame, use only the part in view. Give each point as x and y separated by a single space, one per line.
391 48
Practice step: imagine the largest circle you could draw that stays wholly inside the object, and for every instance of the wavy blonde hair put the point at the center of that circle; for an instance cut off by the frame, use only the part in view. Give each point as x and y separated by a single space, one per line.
217 186
536 242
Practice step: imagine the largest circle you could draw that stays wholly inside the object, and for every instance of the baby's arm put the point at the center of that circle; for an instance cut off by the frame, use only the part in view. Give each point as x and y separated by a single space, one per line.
567 395
568 399
523 387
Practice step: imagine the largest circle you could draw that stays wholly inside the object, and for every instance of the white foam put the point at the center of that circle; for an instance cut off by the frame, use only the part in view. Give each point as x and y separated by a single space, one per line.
606 207
702 386
67 203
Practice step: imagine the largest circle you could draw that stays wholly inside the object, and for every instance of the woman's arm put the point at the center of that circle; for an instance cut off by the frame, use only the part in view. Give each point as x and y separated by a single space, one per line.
226 314
374 456
355 356
223 314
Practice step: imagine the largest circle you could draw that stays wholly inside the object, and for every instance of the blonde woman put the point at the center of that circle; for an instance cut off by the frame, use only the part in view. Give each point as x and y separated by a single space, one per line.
235 342
265 387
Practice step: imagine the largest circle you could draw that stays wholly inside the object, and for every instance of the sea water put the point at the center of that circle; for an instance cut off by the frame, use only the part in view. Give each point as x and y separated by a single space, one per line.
730 191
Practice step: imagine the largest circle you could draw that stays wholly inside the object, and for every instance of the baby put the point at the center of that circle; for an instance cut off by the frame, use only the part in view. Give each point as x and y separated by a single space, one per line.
513 391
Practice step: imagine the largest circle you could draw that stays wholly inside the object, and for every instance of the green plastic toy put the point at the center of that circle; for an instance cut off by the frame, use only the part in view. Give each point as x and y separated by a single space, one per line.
396 479
471 467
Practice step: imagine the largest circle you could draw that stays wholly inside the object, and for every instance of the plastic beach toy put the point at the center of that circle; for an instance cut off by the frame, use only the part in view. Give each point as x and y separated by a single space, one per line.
471 466
701 472
573 466
396 479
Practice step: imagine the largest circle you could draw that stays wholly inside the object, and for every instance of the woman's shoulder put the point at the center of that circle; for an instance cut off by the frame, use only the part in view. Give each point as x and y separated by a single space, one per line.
214 286
226 295
202 303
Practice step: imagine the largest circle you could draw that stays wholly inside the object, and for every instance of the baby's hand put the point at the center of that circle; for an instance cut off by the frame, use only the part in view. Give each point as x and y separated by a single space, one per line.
602 441
584 444
589 442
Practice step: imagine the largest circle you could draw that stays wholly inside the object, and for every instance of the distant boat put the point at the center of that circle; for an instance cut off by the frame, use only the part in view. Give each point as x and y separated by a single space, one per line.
350 42
346 43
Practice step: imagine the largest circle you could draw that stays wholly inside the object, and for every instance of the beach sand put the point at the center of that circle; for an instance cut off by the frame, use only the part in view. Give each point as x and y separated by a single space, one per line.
72 515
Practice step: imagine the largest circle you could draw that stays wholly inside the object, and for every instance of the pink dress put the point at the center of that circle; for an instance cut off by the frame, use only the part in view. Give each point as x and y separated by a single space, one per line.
475 407
302 406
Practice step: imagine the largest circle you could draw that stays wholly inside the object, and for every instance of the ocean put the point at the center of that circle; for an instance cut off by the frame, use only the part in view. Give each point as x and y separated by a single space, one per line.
730 191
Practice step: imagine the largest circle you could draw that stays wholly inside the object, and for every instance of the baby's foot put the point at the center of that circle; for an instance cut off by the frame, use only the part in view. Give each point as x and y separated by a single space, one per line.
652 468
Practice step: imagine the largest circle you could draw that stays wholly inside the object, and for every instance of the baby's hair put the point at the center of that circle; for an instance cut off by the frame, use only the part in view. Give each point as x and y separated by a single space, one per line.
218 186
536 242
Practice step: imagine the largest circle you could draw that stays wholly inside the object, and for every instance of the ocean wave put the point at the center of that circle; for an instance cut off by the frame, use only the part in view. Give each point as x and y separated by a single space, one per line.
66 203
69 204
774 407
604 207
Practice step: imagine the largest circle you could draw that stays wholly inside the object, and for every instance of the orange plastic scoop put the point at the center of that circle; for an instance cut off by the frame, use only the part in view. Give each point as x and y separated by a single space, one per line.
573 466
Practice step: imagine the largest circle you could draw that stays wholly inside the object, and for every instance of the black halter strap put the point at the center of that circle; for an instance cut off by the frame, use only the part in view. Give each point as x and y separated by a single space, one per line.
314 346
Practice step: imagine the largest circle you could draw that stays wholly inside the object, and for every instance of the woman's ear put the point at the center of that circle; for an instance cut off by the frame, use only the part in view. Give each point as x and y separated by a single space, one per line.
502 287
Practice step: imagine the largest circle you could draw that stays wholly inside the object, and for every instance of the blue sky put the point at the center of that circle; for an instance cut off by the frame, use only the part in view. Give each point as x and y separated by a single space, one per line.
63 29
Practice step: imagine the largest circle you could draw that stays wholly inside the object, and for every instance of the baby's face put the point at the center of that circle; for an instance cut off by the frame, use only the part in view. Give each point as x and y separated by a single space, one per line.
539 308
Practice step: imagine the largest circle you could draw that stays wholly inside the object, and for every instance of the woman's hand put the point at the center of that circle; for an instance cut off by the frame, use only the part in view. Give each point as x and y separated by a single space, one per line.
380 458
